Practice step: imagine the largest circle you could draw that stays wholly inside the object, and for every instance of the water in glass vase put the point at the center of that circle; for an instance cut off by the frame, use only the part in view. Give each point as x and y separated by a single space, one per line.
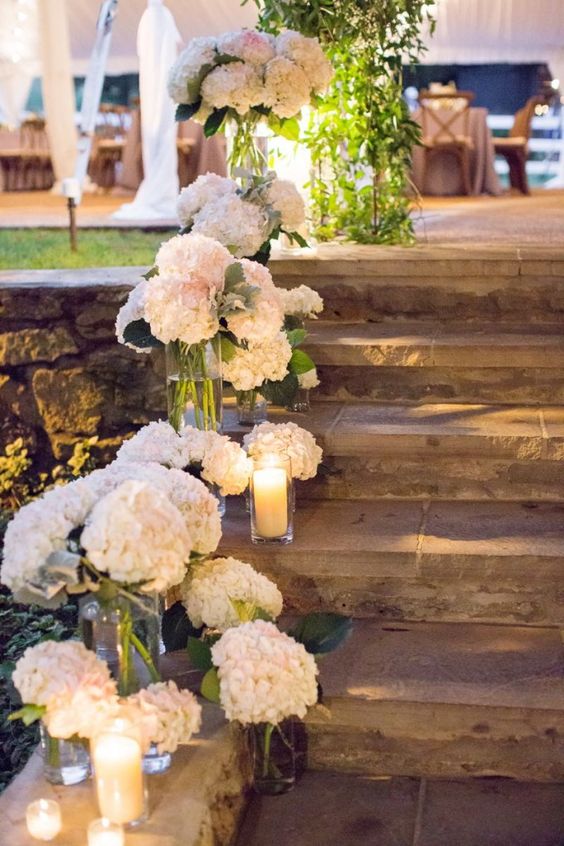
64 761
273 754
194 385
125 633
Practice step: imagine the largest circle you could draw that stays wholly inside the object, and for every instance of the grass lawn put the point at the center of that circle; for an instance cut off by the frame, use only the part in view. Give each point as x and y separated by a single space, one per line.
27 249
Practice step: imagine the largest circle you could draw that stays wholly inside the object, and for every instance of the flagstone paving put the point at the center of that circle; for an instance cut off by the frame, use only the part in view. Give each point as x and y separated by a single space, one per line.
328 809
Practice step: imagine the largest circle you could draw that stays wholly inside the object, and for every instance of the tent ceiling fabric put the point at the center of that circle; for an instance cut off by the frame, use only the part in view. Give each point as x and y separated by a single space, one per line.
473 31
193 18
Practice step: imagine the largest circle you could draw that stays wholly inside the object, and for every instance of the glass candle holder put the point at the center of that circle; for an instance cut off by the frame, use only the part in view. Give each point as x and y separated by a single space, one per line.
102 832
117 759
43 819
271 500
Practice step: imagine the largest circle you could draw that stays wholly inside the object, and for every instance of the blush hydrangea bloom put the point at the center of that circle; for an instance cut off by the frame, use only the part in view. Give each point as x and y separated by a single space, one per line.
137 536
70 682
264 675
208 591
288 439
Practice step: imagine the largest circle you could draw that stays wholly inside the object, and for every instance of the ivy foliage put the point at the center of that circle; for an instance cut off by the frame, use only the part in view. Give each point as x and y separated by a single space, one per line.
361 134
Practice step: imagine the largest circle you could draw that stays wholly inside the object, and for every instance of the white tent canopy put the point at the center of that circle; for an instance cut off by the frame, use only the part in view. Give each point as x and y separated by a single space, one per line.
474 31
193 18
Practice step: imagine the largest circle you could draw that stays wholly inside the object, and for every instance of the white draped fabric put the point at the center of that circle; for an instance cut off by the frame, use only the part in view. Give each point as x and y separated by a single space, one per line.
157 43
58 89
473 31
19 59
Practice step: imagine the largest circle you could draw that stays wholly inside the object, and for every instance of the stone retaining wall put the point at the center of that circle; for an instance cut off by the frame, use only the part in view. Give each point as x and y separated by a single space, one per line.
63 376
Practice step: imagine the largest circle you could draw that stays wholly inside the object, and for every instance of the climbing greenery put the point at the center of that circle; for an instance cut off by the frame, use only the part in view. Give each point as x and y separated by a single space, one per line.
361 135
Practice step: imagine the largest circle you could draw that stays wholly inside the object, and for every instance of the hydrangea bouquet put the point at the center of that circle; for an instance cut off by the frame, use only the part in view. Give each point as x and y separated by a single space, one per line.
197 301
246 77
71 691
124 535
260 675
245 220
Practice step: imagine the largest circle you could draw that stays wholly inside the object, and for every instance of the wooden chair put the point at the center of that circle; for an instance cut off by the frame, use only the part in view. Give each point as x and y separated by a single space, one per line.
515 147
445 125
108 144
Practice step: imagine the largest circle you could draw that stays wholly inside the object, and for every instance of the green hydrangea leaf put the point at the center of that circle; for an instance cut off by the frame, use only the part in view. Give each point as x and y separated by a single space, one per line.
210 686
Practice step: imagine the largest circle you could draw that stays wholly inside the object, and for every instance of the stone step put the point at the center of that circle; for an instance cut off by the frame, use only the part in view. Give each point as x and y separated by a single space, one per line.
494 562
200 800
355 810
365 283
443 700
444 450
436 362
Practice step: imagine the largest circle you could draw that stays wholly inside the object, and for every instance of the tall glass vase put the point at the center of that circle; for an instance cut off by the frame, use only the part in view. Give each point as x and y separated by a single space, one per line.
194 385
247 147
273 755
64 761
125 633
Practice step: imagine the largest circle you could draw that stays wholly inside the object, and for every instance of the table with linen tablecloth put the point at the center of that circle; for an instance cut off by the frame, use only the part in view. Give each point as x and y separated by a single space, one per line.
444 177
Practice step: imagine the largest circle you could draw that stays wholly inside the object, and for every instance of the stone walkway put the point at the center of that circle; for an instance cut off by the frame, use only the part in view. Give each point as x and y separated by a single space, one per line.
328 809
510 219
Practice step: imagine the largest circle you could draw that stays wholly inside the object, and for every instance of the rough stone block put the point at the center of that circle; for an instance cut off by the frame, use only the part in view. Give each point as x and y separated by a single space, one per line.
68 401
31 345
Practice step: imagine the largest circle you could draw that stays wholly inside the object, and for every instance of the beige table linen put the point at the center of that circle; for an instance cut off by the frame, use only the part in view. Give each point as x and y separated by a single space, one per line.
443 176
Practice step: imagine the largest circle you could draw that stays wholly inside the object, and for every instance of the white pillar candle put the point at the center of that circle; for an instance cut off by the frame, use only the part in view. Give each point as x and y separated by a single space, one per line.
270 493
118 768
105 833
43 819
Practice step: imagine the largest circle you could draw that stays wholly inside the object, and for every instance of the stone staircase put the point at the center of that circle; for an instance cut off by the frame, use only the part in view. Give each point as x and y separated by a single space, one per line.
438 521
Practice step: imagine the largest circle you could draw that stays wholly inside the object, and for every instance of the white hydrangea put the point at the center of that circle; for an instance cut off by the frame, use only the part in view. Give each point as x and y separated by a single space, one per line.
197 505
239 225
301 302
37 531
157 442
207 187
137 536
209 588
285 198
250 46
133 309
309 379
264 675
187 69
70 682
236 85
265 320
286 87
250 367
287 439
181 300
225 464
308 55
165 715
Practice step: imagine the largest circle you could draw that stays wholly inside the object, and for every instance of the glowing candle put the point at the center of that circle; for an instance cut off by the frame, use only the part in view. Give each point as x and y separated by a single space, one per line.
105 833
271 514
270 491
43 819
118 768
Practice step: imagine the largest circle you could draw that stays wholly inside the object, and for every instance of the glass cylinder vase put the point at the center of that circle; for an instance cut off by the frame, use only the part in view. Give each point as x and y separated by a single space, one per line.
118 773
252 408
194 385
273 756
301 402
271 496
64 761
247 147
125 633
